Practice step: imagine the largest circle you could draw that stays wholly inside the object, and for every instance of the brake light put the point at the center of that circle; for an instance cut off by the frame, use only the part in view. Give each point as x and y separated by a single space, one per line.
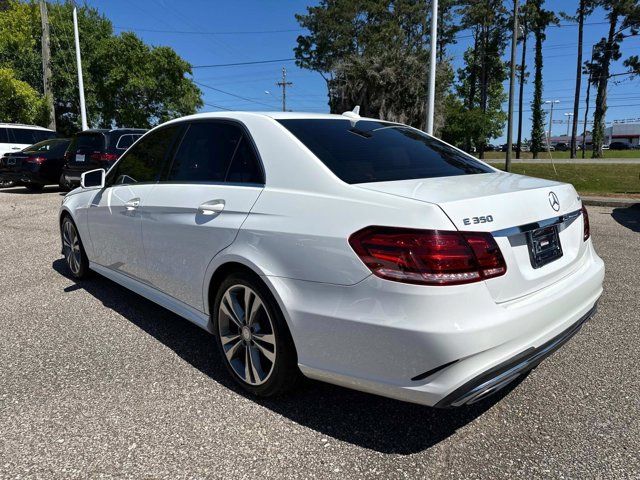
104 157
36 160
428 257
585 222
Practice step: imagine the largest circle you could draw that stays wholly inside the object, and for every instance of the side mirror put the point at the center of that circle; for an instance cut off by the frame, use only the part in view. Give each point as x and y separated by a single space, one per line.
93 178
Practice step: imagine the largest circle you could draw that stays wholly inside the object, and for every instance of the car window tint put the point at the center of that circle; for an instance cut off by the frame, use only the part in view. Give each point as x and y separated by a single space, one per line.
372 151
245 166
144 161
126 140
4 137
29 136
87 143
205 152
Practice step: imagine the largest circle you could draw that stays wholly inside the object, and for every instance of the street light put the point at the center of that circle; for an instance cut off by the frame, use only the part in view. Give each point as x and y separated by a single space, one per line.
569 117
552 102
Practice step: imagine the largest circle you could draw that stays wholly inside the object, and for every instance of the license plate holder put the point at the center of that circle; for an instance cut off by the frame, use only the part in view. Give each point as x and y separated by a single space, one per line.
79 158
544 246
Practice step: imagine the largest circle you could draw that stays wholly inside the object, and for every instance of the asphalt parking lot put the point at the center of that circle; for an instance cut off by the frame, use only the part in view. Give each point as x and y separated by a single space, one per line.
97 382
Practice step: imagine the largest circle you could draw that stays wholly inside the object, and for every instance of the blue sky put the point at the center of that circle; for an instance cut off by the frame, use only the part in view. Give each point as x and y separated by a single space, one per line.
172 23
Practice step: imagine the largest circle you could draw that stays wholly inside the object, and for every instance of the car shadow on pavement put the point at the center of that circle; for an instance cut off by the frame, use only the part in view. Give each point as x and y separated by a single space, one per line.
369 421
628 217
20 190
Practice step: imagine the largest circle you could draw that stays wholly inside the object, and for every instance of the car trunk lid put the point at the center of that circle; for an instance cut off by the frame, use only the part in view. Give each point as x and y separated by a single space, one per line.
513 208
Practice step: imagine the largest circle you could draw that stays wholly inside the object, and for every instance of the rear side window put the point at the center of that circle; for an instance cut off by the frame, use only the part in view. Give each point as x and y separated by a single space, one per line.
28 136
4 135
371 151
215 152
143 162
126 140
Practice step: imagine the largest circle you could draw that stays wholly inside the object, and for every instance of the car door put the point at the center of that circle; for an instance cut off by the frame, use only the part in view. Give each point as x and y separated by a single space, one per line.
114 215
197 209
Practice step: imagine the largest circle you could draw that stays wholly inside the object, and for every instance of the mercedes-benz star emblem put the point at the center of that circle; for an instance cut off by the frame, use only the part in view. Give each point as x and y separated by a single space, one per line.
553 201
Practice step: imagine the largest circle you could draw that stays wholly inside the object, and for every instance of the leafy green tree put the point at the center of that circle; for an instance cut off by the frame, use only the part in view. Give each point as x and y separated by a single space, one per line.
126 82
480 80
540 20
373 53
19 102
624 21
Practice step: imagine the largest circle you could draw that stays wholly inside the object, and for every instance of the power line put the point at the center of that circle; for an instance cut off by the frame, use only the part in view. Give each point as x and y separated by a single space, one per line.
203 32
232 94
255 62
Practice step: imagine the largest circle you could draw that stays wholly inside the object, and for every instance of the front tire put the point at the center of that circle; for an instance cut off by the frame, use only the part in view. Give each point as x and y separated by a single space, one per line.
253 337
72 249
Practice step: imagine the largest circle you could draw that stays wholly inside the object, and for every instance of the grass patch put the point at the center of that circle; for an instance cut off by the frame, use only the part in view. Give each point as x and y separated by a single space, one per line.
563 155
609 180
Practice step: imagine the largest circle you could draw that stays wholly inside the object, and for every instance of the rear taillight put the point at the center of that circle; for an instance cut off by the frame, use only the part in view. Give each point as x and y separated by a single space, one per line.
428 257
104 157
585 221
36 160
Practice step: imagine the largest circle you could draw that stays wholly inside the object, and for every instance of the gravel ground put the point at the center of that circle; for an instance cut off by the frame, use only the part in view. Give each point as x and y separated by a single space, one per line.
98 382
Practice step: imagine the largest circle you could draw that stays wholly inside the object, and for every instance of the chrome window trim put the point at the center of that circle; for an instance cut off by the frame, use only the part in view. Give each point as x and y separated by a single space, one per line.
529 227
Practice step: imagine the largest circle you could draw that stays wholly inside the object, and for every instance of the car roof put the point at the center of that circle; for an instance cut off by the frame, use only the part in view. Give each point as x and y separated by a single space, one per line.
24 125
112 130
239 115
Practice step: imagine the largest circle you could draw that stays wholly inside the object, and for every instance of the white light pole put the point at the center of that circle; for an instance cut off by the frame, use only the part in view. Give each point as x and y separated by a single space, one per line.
432 67
552 102
83 110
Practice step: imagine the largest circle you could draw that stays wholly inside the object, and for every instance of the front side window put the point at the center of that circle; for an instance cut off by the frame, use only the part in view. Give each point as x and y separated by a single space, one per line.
205 152
375 151
144 161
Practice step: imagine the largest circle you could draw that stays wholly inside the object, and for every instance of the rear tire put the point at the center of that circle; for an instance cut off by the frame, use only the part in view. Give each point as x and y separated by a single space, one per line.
253 337
63 184
73 250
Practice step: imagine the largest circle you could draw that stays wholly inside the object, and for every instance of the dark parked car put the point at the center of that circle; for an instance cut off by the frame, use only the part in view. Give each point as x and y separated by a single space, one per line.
98 148
35 166
619 146
562 146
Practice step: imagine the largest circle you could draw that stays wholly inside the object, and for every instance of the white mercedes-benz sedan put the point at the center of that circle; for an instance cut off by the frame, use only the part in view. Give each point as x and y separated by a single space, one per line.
351 250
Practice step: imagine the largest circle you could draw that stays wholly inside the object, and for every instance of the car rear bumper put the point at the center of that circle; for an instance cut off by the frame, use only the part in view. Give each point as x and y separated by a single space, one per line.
24 177
430 345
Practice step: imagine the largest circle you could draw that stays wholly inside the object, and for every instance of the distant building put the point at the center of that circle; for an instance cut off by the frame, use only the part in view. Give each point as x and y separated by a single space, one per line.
617 132
623 132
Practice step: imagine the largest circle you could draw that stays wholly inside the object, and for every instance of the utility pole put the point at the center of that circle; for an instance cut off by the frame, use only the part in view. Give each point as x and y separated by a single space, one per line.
431 99
512 81
46 64
569 122
83 110
552 102
284 84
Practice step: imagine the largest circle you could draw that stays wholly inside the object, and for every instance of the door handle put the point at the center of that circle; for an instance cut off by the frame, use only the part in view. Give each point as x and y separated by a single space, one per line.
214 207
132 204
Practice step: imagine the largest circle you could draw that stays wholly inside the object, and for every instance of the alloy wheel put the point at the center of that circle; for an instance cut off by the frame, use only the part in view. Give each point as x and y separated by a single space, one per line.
71 247
246 334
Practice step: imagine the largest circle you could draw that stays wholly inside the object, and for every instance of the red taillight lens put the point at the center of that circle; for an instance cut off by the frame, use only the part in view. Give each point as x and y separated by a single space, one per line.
585 221
36 160
104 157
428 257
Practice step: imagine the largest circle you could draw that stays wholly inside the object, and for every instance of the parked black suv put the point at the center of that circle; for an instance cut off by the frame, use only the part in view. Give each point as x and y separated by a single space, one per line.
96 148
35 166
619 146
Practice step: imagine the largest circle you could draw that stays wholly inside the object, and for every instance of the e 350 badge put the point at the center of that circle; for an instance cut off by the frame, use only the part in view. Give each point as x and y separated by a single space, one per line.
476 220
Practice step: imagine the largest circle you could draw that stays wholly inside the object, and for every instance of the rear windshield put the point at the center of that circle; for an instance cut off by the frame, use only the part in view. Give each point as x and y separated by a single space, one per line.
56 146
371 151
88 142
